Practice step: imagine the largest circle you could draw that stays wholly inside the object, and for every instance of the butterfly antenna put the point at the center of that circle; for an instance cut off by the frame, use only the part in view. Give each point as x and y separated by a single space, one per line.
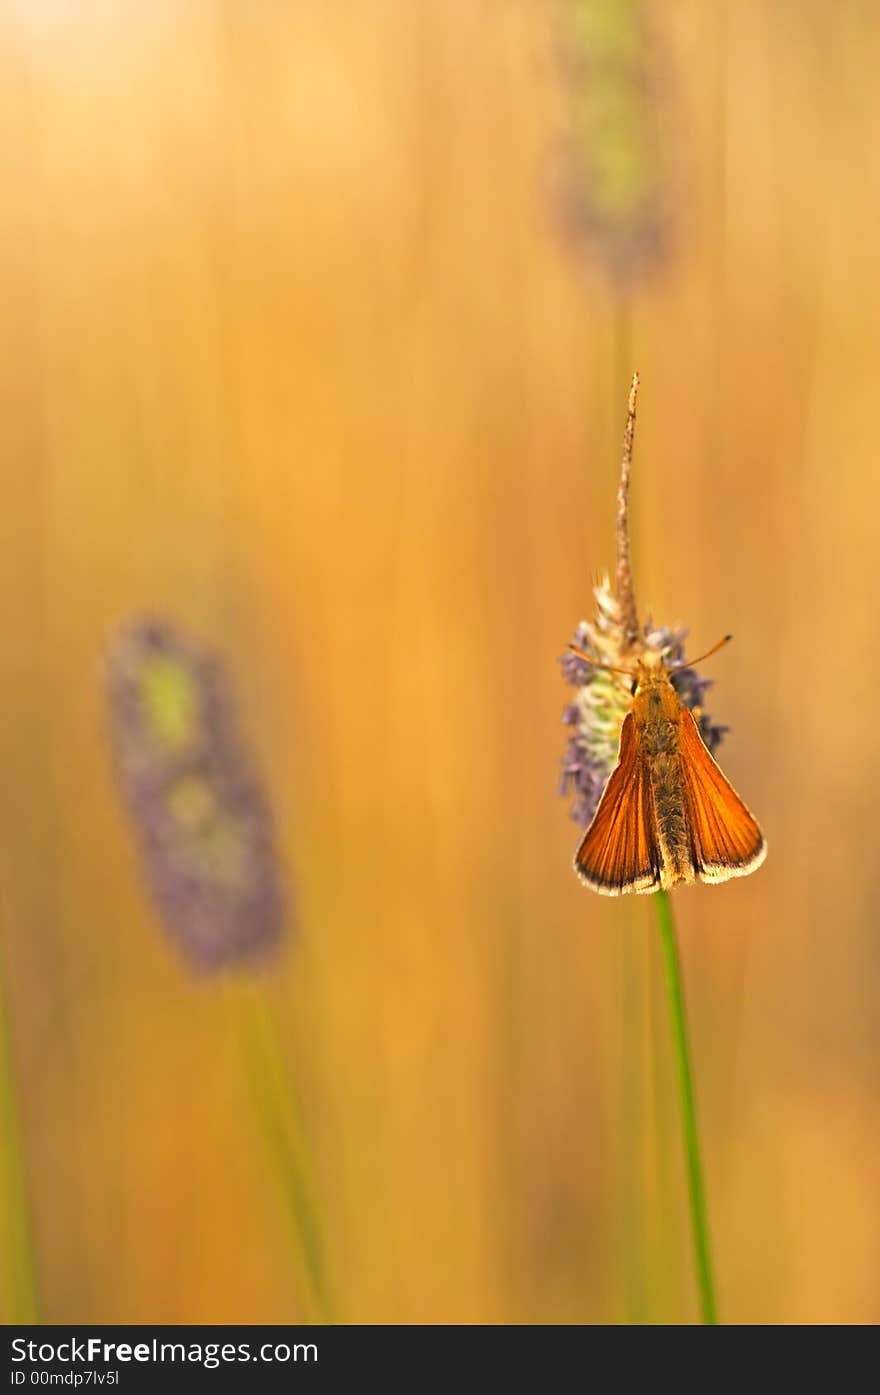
609 668
689 663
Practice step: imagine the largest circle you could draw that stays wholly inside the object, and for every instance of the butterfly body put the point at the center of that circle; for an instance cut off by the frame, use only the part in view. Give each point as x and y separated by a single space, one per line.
656 712
667 813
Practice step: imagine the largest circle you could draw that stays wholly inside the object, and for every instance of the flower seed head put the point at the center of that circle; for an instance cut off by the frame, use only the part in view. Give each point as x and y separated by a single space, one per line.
616 638
601 700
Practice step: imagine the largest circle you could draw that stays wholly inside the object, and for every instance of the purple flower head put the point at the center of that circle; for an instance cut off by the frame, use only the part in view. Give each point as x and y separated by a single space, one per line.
595 716
575 671
200 816
601 702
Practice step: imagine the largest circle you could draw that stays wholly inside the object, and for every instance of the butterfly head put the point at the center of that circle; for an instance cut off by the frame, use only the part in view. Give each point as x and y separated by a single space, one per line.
650 671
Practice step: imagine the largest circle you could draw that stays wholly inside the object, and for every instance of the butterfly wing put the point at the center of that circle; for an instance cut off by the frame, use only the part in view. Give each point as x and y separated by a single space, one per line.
725 839
619 851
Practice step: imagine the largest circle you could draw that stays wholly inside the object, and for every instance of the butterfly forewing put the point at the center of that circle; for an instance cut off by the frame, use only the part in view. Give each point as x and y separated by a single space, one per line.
619 851
726 841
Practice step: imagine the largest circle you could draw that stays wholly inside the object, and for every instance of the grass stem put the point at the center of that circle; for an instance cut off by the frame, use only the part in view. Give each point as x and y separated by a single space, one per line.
696 1191
278 1109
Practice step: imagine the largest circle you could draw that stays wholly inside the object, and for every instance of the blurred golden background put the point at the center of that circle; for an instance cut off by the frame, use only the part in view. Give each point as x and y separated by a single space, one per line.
294 353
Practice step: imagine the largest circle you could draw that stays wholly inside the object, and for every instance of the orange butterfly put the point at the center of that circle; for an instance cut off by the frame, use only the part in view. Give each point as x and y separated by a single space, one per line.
667 814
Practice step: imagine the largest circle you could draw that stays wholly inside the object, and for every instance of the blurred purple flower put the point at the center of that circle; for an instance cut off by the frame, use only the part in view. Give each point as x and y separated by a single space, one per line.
609 177
201 819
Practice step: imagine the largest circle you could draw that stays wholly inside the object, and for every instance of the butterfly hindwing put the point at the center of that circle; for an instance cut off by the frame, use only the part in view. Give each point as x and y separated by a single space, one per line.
619 851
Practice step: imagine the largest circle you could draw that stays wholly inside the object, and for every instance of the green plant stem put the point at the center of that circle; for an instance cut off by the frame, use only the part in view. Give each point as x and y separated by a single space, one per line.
18 1248
279 1115
699 1220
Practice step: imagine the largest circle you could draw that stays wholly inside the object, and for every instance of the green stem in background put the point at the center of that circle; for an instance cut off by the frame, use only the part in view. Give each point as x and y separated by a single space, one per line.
279 1115
699 1220
21 1280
